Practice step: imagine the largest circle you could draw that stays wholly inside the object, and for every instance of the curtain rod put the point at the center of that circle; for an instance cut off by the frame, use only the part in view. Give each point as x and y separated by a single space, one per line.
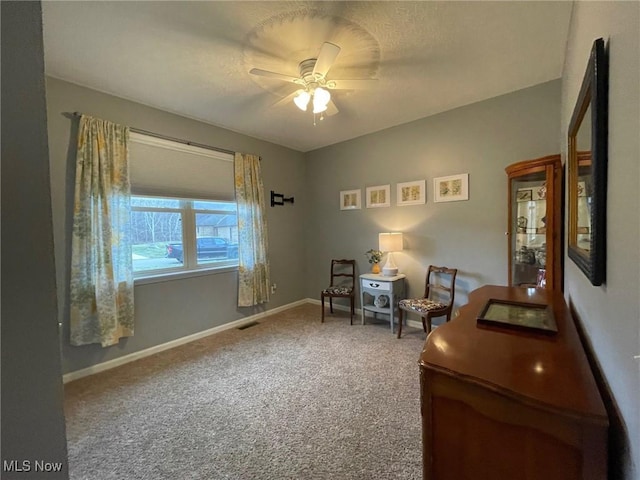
173 139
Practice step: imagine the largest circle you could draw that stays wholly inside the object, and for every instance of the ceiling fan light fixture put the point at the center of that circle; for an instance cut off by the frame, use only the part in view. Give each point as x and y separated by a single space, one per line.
302 100
321 98
319 109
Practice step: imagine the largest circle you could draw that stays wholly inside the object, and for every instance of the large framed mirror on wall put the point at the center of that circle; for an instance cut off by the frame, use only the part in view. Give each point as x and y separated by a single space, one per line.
587 187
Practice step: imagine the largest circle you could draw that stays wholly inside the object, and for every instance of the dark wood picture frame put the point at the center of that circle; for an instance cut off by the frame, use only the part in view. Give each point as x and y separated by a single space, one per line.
587 245
522 316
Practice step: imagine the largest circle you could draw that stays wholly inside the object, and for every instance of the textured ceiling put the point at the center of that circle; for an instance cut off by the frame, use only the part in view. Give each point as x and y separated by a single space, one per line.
193 58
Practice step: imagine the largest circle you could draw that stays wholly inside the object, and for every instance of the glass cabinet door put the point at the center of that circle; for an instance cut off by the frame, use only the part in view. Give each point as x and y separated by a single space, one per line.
528 225
535 223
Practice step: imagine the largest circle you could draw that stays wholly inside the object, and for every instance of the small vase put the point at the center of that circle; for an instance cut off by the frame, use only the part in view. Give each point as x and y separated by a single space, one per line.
375 268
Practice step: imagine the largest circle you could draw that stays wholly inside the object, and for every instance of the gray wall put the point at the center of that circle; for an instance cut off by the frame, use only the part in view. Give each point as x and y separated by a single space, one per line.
32 417
611 313
479 139
173 309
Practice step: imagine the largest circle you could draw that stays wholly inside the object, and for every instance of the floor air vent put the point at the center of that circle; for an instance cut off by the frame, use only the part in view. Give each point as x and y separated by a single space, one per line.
247 325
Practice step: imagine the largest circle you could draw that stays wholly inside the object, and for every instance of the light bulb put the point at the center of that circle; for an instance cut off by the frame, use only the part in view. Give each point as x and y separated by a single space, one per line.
302 100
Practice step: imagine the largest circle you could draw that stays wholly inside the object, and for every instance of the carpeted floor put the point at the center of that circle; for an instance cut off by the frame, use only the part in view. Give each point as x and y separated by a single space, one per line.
289 398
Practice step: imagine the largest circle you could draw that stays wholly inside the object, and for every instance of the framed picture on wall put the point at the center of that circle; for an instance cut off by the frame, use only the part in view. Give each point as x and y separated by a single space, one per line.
350 200
378 196
451 189
411 193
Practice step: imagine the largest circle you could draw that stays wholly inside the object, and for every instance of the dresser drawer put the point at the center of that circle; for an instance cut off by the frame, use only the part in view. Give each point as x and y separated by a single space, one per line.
376 285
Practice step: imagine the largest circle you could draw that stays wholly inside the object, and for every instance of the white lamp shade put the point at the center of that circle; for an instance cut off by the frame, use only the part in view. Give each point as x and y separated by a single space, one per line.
321 98
390 242
318 108
302 100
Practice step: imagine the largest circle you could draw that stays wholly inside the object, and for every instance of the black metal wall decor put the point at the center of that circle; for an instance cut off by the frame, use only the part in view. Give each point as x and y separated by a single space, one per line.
279 199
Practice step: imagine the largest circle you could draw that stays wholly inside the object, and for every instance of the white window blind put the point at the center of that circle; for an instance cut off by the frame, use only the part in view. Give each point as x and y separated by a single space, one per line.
168 168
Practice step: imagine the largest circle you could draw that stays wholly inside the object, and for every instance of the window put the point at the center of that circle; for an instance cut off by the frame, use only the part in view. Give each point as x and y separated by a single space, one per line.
184 214
173 235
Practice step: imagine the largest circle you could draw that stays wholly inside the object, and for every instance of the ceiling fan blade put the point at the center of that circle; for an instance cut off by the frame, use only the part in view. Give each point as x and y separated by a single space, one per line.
331 109
327 56
266 73
353 84
286 99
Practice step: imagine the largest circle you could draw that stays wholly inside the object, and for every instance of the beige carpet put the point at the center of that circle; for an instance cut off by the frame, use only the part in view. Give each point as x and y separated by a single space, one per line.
289 398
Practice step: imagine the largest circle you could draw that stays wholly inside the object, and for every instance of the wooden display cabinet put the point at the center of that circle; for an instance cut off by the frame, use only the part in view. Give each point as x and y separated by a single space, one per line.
535 223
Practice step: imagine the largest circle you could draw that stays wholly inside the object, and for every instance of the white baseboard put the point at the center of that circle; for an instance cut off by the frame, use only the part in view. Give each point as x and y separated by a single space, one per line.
116 362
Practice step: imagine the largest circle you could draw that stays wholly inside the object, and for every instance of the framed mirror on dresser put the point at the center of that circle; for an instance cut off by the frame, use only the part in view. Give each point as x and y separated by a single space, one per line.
587 161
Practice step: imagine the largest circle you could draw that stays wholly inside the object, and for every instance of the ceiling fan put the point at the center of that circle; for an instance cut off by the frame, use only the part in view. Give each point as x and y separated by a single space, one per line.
314 83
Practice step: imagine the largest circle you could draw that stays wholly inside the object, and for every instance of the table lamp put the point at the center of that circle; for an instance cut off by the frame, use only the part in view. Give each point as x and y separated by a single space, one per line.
390 242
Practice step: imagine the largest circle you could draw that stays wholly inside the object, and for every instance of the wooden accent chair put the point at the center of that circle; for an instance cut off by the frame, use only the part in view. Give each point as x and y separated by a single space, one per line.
438 297
343 282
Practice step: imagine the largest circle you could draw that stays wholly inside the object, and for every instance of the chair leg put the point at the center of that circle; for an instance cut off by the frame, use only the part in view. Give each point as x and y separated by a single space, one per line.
424 325
331 304
322 317
351 318
428 325
399 322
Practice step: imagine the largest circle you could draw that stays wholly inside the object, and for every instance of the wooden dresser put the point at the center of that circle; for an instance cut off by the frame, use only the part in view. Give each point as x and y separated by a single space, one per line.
504 404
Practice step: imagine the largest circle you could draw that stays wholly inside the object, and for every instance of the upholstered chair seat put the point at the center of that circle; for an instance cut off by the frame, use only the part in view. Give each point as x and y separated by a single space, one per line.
421 305
337 291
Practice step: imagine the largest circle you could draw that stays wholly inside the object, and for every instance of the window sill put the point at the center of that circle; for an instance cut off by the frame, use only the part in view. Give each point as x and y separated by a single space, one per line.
171 276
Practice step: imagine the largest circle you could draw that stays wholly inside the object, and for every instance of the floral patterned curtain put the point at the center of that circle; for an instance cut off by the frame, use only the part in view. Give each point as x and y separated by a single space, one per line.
101 291
253 272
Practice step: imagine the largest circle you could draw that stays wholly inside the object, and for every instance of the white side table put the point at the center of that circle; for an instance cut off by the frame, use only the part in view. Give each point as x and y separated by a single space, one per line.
376 285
